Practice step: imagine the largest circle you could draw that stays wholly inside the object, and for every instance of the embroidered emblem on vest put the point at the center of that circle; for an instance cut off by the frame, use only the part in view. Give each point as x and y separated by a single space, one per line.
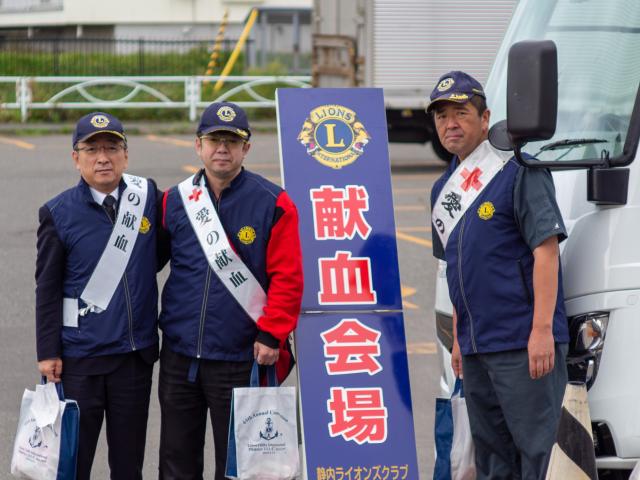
247 235
145 225
486 210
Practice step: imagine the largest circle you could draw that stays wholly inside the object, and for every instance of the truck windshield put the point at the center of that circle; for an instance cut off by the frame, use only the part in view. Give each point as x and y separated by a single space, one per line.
598 72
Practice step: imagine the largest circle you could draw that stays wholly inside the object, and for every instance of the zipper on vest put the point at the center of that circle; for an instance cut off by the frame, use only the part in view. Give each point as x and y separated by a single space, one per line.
127 295
205 298
203 311
129 309
464 298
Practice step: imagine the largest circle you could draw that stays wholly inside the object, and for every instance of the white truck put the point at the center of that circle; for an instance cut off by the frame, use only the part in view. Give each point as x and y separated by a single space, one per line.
593 157
404 46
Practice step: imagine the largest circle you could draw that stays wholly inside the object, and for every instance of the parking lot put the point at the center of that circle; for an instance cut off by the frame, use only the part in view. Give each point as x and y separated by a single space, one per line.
34 169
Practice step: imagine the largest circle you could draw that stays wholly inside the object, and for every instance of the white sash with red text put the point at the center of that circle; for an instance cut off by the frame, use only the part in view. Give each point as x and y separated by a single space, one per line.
115 257
226 264
464 185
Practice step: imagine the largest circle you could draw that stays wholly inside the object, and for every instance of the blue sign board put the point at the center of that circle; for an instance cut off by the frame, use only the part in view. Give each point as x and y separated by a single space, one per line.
335 158
352 361
354 390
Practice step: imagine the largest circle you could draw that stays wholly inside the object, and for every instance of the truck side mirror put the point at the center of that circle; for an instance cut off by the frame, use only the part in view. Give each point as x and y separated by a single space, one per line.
532 91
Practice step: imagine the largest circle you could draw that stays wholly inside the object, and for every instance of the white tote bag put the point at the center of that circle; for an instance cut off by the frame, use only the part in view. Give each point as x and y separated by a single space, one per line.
463 462
263 432
46 441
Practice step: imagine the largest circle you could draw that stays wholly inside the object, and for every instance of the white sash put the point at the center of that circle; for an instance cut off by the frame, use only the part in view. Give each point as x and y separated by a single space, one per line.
228 266
115 257
464 185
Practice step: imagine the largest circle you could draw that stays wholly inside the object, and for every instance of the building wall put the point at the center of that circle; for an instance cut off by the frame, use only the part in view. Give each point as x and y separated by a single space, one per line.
25 13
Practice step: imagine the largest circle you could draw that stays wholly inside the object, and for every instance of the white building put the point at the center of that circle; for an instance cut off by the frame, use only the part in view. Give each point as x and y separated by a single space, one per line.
282 26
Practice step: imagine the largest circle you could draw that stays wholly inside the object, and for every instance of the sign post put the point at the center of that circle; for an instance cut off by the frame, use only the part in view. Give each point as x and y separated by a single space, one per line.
355 397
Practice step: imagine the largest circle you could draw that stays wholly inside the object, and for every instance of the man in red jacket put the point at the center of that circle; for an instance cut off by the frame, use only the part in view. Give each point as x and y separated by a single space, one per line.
233 295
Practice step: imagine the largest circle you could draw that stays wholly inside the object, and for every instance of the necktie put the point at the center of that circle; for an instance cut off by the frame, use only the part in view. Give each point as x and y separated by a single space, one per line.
109 205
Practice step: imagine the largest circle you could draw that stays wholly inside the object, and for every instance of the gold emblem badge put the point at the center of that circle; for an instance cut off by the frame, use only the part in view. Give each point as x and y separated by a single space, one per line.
333 135
458 96
226 113
145 225
445 84
99 121
486 210
247 235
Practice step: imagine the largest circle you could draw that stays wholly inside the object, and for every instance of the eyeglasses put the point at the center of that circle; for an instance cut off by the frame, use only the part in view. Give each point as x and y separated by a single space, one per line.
230 142
93 150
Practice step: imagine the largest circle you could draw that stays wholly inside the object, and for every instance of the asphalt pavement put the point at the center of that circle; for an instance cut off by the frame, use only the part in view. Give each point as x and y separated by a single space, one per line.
36 168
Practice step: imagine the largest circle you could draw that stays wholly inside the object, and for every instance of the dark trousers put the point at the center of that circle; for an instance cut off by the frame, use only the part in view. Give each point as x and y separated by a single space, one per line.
184 407
123 396
513 418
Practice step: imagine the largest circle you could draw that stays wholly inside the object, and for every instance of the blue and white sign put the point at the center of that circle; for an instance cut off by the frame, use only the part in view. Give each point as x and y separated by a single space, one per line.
355 396
335 158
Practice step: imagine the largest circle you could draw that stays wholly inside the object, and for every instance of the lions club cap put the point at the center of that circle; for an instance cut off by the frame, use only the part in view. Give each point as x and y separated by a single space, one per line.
224 116
456 87
97 122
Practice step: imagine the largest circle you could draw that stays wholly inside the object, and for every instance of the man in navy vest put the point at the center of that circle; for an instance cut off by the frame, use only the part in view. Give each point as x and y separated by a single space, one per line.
96 295
233 294
497 225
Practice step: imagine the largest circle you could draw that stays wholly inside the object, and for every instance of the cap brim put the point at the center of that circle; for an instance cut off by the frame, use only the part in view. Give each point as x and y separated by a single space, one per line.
447 98
112 132
244 134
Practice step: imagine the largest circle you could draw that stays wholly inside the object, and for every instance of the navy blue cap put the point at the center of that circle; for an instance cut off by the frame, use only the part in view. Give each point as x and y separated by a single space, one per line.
224 116
97 122
456 86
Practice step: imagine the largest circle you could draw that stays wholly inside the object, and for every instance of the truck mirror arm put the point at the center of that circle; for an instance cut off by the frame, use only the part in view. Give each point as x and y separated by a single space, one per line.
625 158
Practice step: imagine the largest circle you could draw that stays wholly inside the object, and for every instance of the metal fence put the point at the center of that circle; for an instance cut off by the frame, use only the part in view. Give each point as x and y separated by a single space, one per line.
107 56
162 92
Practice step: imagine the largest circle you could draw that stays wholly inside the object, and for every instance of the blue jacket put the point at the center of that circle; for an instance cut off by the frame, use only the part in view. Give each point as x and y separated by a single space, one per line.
199 317
490 272
73 232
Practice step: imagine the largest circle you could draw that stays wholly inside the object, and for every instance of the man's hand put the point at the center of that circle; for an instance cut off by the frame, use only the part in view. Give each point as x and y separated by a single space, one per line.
541 350
541 345
456 359
51 368
456 356
265 355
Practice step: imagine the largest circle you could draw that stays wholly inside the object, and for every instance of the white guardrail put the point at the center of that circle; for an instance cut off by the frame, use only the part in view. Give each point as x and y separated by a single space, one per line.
74 92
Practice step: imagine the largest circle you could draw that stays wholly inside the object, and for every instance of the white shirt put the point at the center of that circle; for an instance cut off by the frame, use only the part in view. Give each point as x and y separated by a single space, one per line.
99 196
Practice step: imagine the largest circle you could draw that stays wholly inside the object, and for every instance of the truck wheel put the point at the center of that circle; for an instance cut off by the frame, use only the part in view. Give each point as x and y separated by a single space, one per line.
614 474
440 151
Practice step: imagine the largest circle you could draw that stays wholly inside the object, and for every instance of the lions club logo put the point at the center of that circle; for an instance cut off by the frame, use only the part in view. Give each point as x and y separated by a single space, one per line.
99 121
145 225
333 135
486 210
226 113
247 235
445 84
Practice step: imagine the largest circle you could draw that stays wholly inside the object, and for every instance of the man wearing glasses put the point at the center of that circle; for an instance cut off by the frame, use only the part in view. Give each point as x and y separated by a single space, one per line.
96 295
233 294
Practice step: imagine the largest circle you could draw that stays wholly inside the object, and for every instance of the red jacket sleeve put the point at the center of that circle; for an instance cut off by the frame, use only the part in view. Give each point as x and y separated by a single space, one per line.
284 270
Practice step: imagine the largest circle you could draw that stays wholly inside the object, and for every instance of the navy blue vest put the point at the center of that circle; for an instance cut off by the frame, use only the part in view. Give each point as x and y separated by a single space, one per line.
130 321
490 272
199 317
